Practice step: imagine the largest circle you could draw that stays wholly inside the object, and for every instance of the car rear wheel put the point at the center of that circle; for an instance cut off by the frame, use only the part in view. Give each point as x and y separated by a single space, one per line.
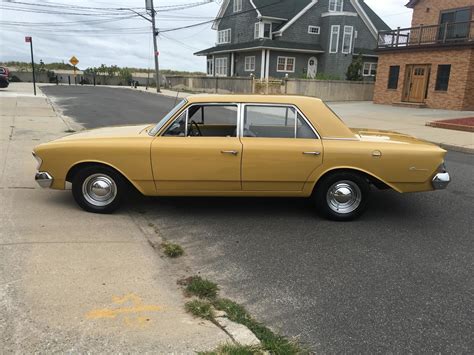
342 196
98 189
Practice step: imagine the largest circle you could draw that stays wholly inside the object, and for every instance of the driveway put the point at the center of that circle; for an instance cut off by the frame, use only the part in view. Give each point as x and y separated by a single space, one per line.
397 280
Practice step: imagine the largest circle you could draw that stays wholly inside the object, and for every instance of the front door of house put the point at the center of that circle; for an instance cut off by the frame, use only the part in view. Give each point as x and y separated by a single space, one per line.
416 83
312 67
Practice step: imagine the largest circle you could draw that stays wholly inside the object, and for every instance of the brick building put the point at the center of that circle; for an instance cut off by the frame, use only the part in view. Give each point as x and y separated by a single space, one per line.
430 64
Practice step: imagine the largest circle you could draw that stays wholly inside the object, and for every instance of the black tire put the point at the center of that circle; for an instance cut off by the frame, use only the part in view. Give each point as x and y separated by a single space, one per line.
91 182
334 189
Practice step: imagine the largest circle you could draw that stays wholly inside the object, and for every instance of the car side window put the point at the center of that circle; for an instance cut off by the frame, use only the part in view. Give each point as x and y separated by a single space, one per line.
205 121
178 127
275 122
212 121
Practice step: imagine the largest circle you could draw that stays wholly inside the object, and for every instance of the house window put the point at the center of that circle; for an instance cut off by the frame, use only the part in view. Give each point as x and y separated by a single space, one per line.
442 79
210 67
237 5
221 66
393 75
263 30
250 63
370 69
336 5
286 64
334 40
458 21
314 30
223 36
347 39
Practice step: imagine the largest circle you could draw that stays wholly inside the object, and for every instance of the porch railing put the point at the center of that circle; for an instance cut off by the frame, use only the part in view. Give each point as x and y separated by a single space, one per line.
446 33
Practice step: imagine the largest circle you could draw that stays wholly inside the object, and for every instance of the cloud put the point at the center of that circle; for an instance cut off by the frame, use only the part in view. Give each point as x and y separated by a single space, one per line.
106 43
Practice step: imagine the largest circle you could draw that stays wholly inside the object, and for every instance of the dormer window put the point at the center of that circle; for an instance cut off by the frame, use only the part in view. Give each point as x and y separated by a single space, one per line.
237 5
263 30
336 5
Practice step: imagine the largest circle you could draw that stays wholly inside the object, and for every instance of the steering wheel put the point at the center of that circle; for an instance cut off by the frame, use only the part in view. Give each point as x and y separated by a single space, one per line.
199 133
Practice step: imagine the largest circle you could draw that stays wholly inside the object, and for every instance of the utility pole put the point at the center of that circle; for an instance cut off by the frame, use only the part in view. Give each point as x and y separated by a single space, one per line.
155 46
30 40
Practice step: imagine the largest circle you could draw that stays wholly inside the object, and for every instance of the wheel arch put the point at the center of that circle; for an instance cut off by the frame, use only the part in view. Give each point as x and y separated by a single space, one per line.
373 179
74 169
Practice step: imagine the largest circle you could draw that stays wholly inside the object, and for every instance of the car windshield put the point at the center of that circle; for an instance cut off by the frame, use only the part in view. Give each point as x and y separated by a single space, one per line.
165 119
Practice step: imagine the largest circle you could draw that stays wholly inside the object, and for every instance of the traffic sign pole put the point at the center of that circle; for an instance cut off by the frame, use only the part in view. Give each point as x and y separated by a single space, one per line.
30 39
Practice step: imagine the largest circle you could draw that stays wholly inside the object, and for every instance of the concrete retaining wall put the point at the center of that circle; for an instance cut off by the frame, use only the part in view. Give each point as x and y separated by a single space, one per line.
328 90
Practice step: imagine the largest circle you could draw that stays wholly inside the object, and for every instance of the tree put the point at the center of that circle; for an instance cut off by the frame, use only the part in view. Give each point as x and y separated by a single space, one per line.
125 75
354 72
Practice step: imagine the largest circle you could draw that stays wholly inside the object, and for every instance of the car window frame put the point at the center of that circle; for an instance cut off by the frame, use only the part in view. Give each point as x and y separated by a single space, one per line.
186 110
297 111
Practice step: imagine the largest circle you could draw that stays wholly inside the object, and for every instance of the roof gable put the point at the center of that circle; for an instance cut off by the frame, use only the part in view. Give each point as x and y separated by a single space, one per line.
280 8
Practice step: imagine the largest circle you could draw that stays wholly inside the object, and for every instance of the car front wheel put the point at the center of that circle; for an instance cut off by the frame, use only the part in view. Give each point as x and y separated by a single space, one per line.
342 196
98 189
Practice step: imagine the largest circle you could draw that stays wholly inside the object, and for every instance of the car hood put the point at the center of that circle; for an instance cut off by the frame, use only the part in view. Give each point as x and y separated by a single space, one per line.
376 135
108 132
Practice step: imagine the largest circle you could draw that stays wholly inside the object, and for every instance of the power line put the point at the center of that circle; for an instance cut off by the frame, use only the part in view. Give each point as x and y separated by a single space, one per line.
217 18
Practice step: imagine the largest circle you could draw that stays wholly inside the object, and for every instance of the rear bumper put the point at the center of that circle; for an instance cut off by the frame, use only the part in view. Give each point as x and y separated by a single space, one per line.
44 179
441 181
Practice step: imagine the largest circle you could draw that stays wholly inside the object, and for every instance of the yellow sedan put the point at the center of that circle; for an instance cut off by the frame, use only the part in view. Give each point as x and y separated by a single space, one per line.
230 145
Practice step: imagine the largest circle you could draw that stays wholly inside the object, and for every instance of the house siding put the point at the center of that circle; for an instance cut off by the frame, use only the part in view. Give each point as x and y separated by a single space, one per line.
239 25
240 63
427 12
457 97
301 63
335 64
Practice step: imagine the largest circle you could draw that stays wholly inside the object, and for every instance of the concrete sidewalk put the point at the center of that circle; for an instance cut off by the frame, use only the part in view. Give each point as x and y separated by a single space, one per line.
72 281
411 121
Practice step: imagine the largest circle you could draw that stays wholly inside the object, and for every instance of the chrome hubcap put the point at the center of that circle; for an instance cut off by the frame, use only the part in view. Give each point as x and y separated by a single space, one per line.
99 189
344 197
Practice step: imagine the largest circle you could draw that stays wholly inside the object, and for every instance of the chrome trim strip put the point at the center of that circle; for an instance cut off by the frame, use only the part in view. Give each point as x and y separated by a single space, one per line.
341 139
44 179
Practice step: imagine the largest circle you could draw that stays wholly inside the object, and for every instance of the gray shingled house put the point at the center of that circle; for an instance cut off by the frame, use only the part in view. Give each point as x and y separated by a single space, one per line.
298 38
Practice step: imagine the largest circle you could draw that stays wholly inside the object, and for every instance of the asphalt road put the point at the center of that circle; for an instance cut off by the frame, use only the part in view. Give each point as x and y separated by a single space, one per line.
400 279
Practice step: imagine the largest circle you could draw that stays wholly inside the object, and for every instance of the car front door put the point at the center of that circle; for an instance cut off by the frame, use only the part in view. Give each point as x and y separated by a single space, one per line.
280 148
199 152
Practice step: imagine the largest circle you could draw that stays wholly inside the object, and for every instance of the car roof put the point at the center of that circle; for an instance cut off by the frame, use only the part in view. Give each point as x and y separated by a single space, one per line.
273 99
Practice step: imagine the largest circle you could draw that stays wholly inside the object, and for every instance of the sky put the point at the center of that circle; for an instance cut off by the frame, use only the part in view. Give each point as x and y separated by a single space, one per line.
113 39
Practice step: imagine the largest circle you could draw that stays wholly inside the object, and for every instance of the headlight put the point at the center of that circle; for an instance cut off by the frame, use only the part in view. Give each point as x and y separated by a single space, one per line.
39 160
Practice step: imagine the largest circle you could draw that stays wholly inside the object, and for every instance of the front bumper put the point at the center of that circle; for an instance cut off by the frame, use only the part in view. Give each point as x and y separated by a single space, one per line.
441 181
44 179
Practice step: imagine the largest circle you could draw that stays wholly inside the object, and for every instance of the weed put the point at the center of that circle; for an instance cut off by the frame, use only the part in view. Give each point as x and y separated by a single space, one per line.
275 344
202 288
200 309
172 250
233 349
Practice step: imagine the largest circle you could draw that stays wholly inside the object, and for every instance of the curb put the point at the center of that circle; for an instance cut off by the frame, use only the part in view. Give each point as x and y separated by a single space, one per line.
71 125
237 333
456 148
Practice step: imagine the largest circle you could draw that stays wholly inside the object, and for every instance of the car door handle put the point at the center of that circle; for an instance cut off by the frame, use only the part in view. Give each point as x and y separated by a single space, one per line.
312 153
233 152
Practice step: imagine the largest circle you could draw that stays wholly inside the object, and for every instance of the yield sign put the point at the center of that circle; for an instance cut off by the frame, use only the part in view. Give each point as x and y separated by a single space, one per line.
74 61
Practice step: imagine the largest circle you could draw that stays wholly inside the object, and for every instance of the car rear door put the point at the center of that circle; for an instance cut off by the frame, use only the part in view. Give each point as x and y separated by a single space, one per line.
280 148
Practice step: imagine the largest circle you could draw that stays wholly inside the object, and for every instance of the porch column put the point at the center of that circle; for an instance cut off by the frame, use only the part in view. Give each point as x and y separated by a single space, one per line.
232 64
262 66
267 65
